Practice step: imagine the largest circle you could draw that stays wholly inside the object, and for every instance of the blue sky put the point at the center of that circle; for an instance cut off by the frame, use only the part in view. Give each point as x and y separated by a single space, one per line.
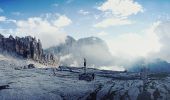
111 20
31 8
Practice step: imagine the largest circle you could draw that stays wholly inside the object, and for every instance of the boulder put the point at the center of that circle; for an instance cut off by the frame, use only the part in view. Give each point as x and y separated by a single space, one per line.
87 76
30 66
4 87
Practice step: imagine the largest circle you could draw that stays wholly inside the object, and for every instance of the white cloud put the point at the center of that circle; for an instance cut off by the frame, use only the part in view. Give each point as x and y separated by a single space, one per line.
65 57
96 16
113 68
102 33
2 18
121 7
162 30
132 45
62 21
112 22
6 20
116 12
7 32
83 12
48 30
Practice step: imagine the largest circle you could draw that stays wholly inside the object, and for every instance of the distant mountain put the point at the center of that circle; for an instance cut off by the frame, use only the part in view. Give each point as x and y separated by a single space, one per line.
156 65
72 52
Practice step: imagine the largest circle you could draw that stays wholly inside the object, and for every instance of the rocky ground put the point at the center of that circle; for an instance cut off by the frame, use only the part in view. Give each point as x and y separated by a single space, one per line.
51 84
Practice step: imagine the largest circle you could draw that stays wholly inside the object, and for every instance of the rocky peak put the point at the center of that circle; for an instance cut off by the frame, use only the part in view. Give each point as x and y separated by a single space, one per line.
27 47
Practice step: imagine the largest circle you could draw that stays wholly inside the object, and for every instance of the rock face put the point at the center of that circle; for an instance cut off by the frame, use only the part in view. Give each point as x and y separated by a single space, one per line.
87 76
30 66
27 47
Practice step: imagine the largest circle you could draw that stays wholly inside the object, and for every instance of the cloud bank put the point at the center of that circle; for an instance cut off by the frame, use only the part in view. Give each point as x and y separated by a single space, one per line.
163 32
48 28
152 44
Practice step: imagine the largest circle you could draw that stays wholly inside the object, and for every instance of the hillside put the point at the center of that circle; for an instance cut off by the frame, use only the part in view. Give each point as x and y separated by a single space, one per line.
52 84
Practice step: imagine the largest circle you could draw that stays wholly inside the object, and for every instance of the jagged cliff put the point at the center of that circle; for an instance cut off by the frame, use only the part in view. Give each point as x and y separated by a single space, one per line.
27 47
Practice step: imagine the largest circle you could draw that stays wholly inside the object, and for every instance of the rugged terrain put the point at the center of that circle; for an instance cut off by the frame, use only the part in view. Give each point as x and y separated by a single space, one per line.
44 83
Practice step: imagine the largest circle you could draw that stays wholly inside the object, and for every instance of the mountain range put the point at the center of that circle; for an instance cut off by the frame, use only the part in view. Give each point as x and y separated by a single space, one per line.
72 53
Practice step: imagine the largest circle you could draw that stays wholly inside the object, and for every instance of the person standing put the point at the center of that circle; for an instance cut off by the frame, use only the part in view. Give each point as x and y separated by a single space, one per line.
84 65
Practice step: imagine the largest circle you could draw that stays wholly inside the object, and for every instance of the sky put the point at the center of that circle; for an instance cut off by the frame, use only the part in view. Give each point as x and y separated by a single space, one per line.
131 28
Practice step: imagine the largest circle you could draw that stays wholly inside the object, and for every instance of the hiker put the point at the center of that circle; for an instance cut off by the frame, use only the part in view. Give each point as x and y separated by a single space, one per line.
93 75
84 65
